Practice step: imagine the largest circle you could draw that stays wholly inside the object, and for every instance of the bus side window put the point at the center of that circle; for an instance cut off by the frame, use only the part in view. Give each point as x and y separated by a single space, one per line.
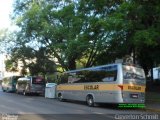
110 76
108 79
63 79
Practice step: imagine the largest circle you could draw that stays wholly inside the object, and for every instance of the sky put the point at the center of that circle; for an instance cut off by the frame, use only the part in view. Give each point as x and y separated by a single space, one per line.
5 10
5 22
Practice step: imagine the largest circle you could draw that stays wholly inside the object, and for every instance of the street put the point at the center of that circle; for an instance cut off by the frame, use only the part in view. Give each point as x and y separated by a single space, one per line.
38 107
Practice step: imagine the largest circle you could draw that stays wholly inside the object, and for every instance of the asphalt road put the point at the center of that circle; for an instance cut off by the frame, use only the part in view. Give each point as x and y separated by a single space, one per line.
40 108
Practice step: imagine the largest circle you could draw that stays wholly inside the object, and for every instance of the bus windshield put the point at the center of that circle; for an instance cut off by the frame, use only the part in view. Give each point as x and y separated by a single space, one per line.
15 78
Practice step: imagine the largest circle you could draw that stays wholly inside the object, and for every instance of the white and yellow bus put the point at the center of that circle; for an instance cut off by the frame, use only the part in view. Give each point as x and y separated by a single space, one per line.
113 83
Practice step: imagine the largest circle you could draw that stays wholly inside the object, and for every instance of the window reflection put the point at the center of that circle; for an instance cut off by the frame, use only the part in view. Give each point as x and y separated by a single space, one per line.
101 74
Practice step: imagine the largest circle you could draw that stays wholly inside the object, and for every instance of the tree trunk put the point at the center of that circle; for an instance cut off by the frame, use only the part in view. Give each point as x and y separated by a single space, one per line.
134 56
152 73
72 64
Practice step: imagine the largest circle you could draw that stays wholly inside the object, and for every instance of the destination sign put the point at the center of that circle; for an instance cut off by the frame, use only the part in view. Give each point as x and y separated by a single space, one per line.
134 87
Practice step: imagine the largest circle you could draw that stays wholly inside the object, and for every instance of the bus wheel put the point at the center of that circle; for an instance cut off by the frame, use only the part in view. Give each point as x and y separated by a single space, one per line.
17 92
7 90
90 101
24 93
3 89
60 97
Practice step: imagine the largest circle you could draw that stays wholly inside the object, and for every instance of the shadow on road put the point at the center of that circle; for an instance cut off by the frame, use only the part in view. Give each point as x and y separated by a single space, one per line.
65 117
104 106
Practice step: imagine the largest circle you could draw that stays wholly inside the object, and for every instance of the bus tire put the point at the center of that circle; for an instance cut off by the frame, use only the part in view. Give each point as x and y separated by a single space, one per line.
90 101
3 89
17 91
24 93
7 90
60 97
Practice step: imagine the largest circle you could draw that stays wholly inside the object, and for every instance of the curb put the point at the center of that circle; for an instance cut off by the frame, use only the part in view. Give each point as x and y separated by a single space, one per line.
152 110
153 101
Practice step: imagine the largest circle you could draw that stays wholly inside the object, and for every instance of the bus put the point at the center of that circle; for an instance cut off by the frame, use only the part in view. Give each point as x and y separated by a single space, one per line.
30 85
9 83
113 83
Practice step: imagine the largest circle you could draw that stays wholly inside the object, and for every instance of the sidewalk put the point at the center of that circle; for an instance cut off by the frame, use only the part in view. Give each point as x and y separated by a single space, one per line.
153 101
153 107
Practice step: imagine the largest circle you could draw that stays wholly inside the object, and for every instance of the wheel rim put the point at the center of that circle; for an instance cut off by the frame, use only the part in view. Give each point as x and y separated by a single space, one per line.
17 91
90 101
7 89
60 97
24 93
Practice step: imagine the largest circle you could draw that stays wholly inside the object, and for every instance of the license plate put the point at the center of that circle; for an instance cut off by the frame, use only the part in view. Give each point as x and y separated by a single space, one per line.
134 96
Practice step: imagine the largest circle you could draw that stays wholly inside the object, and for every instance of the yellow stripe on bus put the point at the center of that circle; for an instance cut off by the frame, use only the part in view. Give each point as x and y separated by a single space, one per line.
103 87
89 87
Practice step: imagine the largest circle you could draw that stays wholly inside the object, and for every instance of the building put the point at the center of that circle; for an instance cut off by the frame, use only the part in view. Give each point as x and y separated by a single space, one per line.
3 72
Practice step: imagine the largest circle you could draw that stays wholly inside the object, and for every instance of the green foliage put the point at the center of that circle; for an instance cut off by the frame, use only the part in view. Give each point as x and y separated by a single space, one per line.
71 31
10 65
135 30
146 37
86 32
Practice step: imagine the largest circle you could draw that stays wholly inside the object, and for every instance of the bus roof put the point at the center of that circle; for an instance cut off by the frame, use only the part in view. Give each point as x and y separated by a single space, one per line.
107 65
91 68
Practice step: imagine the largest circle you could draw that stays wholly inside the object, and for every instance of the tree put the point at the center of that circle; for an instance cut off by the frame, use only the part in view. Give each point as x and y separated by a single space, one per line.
10 66
91 32
49 27
136 28
42 64
71 30
37 61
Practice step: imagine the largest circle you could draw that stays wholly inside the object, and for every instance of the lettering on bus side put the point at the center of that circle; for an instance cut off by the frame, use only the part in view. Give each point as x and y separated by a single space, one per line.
91 87
134 88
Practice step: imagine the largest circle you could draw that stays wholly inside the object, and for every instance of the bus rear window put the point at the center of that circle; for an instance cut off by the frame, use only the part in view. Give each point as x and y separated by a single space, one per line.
131 72
38 80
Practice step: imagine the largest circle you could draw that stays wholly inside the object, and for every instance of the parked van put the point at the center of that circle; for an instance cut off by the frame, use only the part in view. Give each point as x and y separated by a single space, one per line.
9 83
29 85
